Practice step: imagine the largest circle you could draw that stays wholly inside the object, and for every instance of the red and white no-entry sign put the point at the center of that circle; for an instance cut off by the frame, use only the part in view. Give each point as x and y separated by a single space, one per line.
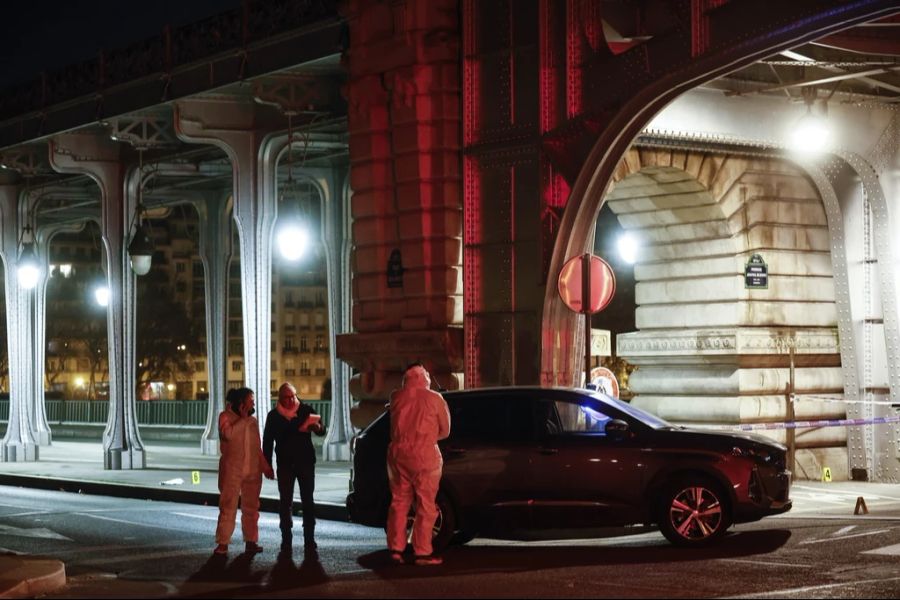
586 284
599 281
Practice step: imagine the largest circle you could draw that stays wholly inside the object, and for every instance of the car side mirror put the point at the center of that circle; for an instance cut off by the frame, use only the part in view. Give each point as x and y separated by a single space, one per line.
617 429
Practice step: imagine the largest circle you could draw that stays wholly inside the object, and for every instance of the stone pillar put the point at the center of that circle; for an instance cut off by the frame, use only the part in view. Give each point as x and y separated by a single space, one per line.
18 444
103 161
215 252
241 130
404 121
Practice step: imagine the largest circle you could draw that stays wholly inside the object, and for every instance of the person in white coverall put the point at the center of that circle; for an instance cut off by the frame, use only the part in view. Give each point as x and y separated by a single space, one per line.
419 418
241 467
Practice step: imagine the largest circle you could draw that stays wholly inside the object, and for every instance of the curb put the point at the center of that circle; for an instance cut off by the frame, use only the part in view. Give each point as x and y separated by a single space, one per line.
47 576
324 510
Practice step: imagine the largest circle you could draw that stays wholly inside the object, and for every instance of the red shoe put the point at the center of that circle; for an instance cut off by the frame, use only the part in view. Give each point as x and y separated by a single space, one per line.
428 561
397 558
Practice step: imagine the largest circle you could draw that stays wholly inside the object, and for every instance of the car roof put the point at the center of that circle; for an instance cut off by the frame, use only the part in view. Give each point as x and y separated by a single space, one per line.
517 391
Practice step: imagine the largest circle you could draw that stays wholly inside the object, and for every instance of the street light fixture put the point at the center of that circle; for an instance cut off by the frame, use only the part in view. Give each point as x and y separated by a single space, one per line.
28 269
140 250
629 247
293 236
101 295
811 133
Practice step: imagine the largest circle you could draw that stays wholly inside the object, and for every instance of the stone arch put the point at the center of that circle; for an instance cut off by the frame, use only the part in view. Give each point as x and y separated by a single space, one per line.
709 350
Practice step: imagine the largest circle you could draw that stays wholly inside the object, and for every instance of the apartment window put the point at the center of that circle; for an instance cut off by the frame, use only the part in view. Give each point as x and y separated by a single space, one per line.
320 342
320 320
180 267
304 344
274 365
199 366
304 320
237 365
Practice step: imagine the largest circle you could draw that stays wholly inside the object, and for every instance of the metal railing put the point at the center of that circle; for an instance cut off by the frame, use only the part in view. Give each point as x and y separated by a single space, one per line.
175 413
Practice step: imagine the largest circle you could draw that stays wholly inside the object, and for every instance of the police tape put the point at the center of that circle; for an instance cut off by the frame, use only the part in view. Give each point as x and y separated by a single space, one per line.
807 424
812 398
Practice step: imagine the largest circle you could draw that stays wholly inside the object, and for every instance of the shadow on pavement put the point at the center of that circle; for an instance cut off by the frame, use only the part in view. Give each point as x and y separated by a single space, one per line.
510 559
286 574
217 570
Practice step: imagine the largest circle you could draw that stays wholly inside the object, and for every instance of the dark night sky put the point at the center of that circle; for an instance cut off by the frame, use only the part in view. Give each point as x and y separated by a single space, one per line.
38 35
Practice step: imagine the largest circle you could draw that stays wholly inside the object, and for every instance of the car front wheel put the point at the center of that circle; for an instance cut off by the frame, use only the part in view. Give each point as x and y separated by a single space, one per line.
694 512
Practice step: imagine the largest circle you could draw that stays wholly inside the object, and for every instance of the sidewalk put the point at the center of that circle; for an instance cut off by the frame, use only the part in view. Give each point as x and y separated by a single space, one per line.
77 466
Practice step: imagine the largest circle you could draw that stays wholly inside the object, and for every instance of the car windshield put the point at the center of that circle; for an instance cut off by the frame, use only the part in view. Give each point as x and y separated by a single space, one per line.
632 411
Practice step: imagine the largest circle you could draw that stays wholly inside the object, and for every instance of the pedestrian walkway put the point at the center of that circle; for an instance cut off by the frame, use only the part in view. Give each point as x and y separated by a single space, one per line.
176 472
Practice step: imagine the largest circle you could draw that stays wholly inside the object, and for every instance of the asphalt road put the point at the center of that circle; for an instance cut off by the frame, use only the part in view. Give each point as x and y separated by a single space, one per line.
119 548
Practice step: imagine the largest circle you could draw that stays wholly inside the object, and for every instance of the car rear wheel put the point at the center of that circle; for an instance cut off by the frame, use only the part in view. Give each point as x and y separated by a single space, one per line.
694 512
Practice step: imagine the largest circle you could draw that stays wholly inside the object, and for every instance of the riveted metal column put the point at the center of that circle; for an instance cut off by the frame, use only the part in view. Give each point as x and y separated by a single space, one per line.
102 160
40 427
215 252
234 127
18 444
336 235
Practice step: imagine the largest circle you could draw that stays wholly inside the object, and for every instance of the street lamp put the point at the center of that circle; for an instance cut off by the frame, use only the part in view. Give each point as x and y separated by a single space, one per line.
140 250
28 270
811 133
101 295
628 247
293 236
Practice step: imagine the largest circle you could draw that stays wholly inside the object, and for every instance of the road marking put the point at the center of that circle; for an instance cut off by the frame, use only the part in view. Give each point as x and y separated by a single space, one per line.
844 530
123 521
848 493
791 515
805 591
127 558
846 537
37 532
767 563
886 550
204 517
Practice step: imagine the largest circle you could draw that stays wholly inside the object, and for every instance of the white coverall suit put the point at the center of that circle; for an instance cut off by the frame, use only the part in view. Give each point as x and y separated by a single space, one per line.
240 475
419 418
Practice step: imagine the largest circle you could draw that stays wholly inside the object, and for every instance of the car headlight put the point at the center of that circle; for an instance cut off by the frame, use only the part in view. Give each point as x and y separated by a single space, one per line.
760 454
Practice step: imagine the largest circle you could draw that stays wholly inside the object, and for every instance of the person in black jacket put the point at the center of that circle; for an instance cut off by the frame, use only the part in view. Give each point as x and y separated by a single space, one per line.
288 428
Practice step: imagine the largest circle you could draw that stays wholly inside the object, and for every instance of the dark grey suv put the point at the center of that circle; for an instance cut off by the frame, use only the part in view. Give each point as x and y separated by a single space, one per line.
560 458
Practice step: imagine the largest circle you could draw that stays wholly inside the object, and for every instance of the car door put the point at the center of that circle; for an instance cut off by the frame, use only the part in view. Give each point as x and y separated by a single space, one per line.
584 477
487 459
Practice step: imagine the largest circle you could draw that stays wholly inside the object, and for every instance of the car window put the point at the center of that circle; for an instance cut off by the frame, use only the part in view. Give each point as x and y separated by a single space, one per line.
576 418
490 419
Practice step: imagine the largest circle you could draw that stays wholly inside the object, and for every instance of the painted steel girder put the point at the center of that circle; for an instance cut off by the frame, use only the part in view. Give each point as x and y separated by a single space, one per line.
617 88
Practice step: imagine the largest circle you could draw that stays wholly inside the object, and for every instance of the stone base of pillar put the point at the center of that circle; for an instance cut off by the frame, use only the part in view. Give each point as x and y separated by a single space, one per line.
117 459
42 438
19 452
381 358
209 447
336 452
741 375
